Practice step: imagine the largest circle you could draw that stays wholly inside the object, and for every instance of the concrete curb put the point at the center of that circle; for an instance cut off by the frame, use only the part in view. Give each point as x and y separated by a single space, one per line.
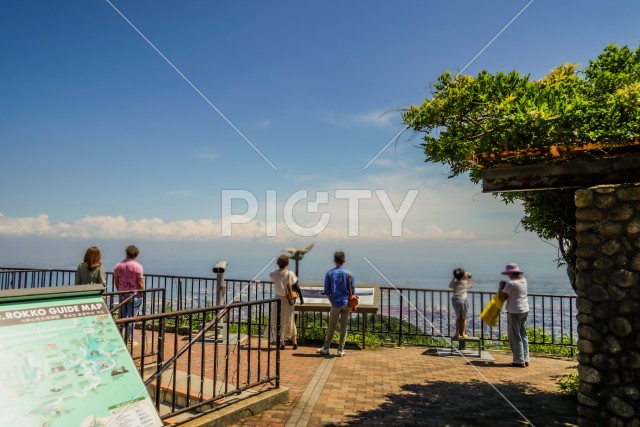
237 411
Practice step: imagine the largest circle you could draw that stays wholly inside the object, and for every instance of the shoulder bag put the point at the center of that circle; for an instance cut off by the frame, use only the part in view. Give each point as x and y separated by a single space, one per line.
291 292
353 299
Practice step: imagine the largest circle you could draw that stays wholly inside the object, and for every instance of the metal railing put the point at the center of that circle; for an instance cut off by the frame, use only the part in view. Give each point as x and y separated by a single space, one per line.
420 312
187 368
206 355
25 278
153 302
183 292
429 313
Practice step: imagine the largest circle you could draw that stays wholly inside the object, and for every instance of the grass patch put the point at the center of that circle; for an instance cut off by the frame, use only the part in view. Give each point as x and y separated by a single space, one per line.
568 383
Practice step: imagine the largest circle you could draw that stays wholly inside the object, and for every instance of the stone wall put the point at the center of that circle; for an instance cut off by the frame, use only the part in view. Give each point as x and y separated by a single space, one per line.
608 282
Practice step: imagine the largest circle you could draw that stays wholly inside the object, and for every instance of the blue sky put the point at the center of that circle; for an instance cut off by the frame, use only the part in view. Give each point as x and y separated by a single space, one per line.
124 122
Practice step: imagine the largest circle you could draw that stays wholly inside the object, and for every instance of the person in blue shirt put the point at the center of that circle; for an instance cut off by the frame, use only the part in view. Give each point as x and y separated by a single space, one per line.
336 288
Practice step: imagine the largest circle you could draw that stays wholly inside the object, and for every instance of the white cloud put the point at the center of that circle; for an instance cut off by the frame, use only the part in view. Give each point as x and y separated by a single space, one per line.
118 227
444 212
436 233
378 118
34 226
375 118
109 227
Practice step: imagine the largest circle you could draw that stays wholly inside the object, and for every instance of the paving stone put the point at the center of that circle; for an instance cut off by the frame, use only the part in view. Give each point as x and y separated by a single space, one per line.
407 387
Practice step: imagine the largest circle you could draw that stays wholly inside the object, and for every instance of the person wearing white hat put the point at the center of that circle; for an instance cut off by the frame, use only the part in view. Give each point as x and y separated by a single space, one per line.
515 292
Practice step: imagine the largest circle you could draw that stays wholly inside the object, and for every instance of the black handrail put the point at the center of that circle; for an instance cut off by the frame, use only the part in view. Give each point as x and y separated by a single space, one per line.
424 312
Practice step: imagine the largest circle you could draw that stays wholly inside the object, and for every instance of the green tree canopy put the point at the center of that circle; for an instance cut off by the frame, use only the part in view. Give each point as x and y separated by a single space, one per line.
470 117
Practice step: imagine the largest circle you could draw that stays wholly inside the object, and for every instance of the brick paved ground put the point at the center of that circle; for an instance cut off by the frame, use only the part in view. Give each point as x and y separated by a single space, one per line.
407 387
411 387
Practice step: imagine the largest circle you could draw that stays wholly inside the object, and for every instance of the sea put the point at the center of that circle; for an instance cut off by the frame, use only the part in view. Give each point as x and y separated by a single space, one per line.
554 282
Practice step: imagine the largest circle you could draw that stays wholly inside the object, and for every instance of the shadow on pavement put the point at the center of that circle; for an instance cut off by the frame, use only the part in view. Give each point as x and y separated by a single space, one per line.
473 403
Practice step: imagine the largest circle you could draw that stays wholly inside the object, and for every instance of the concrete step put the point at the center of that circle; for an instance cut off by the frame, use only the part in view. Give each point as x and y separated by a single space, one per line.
174 390
221 412
176 419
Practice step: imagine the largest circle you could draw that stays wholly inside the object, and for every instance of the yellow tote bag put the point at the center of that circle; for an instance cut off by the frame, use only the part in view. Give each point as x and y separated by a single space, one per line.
491 312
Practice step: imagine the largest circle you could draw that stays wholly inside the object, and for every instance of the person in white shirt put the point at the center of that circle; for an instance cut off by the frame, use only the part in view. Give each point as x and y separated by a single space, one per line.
460 283
514 291
282 278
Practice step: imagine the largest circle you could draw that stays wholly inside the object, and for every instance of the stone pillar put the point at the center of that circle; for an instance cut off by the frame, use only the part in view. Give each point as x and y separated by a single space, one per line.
608 288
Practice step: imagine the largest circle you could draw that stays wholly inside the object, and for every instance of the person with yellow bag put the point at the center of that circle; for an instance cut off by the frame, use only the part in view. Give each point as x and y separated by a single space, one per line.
514 291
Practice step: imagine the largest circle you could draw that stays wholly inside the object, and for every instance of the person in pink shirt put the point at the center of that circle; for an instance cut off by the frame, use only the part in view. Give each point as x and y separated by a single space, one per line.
128 277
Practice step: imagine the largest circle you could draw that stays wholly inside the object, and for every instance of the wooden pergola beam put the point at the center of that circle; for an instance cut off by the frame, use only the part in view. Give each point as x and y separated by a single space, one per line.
555 152
567 174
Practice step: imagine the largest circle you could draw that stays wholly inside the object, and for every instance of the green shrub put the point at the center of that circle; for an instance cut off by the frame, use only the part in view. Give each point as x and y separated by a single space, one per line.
370 340
428 341
543 337
568 383
315 330
257 327
391 324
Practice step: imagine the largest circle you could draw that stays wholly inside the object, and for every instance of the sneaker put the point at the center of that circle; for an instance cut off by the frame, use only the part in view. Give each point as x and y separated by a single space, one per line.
282 347
341 353
322 352
295 346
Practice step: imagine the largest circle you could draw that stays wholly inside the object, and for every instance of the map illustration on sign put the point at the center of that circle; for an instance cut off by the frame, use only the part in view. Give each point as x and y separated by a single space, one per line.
65 364
314 295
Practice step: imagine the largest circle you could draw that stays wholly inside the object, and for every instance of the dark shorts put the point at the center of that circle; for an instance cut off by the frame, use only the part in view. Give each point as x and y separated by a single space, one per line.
461 307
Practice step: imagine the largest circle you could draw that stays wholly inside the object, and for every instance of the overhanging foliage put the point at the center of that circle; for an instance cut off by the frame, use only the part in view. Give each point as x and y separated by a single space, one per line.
469 118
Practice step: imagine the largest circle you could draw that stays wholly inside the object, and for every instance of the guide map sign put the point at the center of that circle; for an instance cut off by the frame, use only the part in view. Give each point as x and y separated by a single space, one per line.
315 300
65 364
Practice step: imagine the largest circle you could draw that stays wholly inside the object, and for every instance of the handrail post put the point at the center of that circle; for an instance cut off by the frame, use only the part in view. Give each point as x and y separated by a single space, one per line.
401 317
179 308
278 335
